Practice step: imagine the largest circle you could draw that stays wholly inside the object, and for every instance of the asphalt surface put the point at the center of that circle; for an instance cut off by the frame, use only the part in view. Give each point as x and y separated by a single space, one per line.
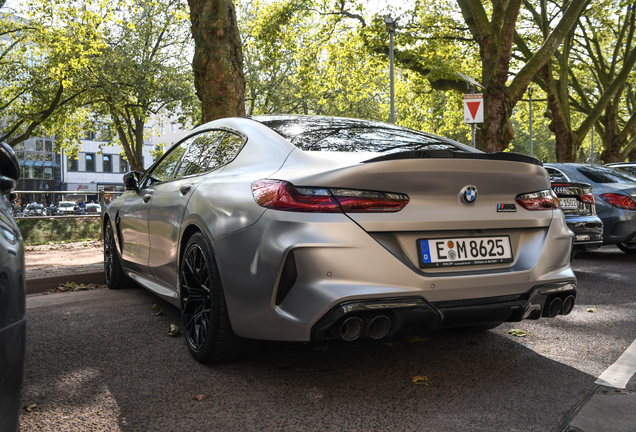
99 361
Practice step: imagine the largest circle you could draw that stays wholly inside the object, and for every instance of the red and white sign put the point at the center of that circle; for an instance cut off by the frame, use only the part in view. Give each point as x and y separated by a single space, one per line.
473 108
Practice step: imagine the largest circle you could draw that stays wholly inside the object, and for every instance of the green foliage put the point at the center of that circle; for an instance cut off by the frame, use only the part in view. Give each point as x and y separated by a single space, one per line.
83 65
58 230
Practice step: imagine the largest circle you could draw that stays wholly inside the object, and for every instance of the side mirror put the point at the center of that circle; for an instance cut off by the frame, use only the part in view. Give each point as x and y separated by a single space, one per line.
131 180
9 166
6 185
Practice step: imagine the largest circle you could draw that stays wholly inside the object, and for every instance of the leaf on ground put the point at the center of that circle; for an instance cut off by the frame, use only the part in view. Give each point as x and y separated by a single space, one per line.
174 330
411 338
592 310
518 333
156 310
29 408
421 380
201 397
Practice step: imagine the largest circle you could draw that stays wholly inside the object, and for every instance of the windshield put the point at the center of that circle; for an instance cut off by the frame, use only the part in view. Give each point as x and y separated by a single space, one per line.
67 205
349 135
600 174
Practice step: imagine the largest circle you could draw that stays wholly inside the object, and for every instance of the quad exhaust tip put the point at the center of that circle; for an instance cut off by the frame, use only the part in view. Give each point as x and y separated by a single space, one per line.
350 329
379 327
555 307
568 305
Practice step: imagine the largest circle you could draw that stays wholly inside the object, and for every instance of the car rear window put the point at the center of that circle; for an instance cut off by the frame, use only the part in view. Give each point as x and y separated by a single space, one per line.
350 135
600 174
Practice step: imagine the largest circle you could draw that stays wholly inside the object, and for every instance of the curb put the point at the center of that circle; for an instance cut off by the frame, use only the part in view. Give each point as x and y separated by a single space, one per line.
40 285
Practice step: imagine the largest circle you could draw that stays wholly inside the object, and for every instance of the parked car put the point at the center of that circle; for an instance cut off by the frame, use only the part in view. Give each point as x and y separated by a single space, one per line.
579 206
615 196
12 297
304 228
66 208
629 167
34 210
93 208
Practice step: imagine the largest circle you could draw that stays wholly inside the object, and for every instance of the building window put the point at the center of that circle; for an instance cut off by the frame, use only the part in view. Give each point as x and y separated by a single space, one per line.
123 165
72 164
38 172
90 162
19 146
39 157
29 156
48 157
48 146
20 155
107 165
39 145
48 173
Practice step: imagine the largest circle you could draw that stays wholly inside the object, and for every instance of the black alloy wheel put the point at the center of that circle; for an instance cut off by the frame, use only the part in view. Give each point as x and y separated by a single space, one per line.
204 314
113 273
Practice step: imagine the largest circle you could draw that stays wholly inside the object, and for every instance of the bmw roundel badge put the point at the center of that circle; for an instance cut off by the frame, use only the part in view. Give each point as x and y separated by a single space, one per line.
469 194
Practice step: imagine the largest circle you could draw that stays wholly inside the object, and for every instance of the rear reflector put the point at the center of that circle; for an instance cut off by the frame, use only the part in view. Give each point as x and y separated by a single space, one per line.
619 201
543 200
284 196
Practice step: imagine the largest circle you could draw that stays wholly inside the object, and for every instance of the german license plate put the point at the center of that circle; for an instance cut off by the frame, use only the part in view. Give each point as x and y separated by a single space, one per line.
453 252
569 203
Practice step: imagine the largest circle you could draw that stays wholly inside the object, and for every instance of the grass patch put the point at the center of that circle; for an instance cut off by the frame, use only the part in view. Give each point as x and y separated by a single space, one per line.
59 230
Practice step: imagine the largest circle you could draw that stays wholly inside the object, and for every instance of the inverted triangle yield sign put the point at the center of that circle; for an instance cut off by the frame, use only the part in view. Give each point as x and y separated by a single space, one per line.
473 107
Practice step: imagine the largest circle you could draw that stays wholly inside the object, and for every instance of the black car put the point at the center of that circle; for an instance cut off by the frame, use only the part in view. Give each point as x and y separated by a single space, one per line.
615 195
579 206
12 297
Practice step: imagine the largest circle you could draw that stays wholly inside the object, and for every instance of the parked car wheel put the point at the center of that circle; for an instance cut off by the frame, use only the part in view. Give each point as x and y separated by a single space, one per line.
628 248
204 314
115 277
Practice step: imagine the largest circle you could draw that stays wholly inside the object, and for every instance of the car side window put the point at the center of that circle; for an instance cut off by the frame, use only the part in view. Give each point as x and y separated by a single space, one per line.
227 150
200 149
163 171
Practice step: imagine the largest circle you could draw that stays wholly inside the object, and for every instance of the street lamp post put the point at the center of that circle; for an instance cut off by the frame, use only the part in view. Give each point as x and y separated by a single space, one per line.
530 90
390 27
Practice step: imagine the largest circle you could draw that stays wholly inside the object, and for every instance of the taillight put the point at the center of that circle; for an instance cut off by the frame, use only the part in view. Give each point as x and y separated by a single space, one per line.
588 198
543 200
284 196
619 201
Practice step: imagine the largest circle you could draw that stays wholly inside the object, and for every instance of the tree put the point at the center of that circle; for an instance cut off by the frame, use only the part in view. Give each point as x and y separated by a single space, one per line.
582 78
218 59
45 51
142 72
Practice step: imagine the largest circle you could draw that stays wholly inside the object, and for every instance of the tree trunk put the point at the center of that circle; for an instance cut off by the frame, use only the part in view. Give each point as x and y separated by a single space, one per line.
218 59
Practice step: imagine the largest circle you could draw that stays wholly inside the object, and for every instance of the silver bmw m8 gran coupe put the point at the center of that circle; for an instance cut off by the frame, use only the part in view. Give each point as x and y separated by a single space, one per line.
305 228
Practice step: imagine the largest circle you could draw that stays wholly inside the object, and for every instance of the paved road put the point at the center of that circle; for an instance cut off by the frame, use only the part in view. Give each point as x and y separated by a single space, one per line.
100 361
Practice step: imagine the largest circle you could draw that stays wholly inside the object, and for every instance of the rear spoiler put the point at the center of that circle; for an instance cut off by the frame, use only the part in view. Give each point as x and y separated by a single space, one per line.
450 154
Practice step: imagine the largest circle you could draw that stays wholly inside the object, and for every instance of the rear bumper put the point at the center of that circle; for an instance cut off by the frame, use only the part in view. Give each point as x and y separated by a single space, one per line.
411 314
619 226
588 231
336 263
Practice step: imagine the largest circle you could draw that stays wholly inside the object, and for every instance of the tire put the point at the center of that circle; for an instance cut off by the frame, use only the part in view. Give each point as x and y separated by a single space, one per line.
113 273
628 248
204 314
479 328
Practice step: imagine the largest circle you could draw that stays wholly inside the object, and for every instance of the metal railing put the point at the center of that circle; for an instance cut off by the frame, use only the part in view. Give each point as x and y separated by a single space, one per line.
102 200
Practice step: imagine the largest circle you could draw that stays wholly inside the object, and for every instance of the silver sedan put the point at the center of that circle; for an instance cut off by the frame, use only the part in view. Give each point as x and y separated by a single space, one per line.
304 228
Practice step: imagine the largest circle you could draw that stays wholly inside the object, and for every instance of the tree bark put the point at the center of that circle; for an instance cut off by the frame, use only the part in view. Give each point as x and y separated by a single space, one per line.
218 59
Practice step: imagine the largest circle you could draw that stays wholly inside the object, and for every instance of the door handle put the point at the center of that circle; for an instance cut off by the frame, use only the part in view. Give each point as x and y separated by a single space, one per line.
185 189
146 198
